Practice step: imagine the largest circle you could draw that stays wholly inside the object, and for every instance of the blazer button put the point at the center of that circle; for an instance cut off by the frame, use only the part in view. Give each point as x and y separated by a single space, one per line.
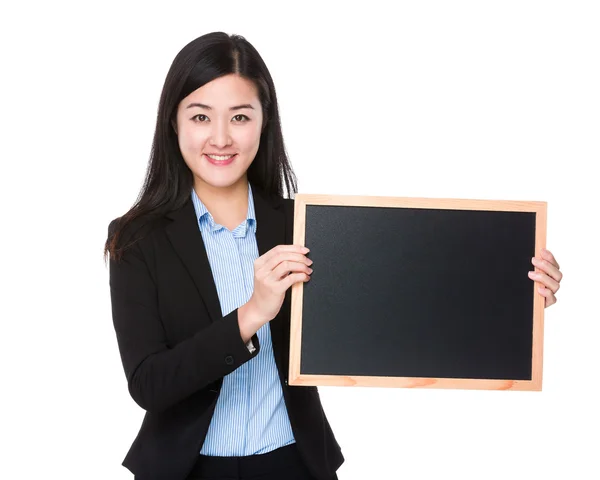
229 360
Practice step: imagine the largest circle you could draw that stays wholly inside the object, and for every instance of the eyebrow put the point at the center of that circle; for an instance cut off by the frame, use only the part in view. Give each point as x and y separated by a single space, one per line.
207 107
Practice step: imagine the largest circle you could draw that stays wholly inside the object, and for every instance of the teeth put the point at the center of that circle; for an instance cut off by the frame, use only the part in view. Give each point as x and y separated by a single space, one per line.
220 157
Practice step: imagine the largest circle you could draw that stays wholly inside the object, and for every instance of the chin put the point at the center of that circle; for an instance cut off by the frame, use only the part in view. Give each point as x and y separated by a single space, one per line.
222 181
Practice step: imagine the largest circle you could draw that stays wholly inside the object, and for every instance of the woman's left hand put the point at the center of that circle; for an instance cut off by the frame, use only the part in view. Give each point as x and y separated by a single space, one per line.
549 276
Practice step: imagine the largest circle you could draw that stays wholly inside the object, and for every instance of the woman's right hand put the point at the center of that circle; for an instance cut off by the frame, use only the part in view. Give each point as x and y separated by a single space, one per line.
274 273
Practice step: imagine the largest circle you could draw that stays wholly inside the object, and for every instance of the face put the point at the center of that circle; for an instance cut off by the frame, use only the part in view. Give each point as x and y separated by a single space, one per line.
218 130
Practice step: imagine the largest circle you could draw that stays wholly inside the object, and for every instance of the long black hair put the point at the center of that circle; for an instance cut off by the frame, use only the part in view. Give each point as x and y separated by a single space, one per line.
169 181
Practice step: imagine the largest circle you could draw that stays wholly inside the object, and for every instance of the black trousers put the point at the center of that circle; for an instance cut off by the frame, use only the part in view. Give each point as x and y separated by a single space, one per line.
283 463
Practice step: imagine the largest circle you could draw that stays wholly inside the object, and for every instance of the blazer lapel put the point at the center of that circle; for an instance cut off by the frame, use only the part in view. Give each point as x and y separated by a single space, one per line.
184 234
270 221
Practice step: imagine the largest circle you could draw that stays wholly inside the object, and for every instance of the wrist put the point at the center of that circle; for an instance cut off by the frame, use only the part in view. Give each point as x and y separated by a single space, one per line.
250 320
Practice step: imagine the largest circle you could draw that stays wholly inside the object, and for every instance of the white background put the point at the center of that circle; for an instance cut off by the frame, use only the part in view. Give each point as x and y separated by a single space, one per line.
480 99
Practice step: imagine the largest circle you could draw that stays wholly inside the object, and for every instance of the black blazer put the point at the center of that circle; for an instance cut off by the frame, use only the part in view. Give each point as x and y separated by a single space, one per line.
176 346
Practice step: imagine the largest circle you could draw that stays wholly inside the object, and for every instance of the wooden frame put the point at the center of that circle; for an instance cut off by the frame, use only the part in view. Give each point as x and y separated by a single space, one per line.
296 377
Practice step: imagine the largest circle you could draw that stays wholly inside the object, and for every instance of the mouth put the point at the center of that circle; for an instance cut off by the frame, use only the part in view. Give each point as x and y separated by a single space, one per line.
220 160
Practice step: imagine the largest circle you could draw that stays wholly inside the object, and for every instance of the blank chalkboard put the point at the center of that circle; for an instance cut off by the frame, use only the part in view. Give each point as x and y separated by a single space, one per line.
410 292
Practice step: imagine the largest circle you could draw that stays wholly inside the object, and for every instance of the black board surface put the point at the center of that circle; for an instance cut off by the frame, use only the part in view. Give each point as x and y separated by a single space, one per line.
414 292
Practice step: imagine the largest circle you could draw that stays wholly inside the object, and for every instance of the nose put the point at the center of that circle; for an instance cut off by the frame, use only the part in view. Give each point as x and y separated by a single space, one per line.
220 136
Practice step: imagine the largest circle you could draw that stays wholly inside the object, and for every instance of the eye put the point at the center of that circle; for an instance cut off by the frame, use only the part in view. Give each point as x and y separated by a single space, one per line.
240 117
199 119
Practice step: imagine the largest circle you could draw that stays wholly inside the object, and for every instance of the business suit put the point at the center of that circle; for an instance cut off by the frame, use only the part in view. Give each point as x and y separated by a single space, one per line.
176 346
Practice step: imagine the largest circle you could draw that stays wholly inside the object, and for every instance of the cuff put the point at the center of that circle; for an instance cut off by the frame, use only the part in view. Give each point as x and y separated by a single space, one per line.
251 347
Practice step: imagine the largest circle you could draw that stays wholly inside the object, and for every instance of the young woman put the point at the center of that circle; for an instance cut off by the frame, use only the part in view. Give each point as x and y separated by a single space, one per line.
200 274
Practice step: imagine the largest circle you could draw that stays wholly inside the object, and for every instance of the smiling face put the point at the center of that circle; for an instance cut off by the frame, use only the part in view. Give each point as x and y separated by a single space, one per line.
218 130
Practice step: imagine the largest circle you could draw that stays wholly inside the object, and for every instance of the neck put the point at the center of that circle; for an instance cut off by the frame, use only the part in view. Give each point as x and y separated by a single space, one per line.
227 205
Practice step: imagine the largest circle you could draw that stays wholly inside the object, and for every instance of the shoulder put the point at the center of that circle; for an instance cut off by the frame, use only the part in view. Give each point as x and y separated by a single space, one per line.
274 200
288 204
137 229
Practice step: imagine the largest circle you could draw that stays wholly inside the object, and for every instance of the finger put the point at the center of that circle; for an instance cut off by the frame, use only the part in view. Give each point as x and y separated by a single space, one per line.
294 278
287 257
550 298
547 255
279 249
546 280
548 268
287 266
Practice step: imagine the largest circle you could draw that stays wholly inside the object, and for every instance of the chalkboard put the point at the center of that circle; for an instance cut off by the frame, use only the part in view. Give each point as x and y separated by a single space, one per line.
418 292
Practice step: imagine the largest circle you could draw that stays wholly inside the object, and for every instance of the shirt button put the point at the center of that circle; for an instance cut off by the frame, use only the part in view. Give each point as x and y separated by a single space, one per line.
229 360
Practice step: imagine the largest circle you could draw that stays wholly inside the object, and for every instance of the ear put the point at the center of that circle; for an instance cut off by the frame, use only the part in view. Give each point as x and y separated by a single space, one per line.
174 125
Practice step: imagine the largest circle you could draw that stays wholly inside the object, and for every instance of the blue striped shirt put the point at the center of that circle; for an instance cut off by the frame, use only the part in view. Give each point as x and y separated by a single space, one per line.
250 416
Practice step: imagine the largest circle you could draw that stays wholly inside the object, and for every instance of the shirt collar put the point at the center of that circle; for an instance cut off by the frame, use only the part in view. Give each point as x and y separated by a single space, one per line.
205 217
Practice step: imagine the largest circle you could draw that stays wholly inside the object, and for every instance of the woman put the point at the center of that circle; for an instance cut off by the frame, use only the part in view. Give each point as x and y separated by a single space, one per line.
200 270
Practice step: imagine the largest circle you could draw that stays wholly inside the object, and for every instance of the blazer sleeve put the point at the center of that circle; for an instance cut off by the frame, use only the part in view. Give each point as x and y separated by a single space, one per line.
158 375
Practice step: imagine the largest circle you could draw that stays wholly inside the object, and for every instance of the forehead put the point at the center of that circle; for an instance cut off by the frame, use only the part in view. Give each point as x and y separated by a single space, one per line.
223 92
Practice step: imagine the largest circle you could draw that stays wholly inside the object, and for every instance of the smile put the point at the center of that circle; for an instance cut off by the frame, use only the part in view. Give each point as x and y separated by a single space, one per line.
220 159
